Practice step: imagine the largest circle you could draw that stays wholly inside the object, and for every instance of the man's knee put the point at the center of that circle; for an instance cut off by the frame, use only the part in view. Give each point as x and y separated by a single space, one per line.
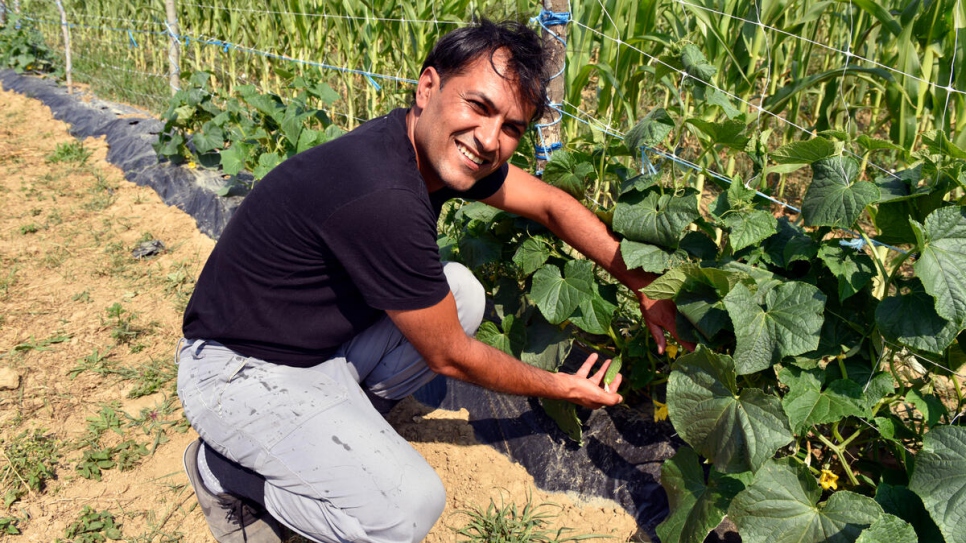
403 518
469 294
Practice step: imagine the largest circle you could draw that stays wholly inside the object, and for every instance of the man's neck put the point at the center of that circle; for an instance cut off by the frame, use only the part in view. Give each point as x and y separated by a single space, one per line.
412 117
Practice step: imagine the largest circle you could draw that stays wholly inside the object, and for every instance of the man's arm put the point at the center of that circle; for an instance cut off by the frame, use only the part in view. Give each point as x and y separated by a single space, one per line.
436 333
530 197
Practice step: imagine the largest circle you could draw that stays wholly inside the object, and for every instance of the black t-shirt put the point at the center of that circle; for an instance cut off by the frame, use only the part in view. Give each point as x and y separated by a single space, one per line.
323 245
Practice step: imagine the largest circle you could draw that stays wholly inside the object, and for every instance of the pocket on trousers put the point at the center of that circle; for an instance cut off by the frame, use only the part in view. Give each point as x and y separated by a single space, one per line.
269 401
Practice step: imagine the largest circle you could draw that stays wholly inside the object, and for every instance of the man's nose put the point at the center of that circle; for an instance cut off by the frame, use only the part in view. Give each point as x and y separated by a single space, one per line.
488 135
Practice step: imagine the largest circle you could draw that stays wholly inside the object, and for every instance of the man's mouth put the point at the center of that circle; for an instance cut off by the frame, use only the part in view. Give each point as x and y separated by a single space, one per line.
474 158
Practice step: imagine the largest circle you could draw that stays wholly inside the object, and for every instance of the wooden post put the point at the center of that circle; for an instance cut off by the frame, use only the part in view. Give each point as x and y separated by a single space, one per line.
554 39
174 49
66 30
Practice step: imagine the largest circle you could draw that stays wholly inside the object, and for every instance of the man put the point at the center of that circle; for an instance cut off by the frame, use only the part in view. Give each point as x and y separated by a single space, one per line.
325 302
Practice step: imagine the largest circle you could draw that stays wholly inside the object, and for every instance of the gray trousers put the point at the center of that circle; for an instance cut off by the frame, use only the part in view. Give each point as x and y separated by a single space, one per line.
334 470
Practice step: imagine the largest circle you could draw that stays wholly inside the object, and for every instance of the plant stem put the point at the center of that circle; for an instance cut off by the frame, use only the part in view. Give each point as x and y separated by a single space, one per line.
837 450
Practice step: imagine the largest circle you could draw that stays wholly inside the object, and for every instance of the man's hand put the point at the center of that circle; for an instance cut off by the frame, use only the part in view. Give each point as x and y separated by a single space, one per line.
660 315
530 197
590 392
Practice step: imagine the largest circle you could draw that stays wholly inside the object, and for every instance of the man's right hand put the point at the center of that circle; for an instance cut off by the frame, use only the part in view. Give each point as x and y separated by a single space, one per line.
590 390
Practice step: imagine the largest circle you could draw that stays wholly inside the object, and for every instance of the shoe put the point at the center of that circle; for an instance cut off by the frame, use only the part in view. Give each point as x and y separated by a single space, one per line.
230 518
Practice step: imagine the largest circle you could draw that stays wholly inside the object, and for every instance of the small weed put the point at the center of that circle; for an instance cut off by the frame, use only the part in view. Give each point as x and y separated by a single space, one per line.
106 419
151 377
70 152
31 459
507 524
154 421
55 257
8 526
29 228
129 454
54 218
93 462
96 362
42 345
92 527
8 281
181 284
119 258
31 192
102 195
124 456
123 330
36 211
84 296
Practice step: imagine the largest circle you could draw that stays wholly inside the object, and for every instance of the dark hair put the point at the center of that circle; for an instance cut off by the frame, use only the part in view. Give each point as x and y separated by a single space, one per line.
526 63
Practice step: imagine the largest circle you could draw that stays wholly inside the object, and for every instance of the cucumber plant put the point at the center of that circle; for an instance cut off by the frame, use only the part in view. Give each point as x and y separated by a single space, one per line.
823 401
246 130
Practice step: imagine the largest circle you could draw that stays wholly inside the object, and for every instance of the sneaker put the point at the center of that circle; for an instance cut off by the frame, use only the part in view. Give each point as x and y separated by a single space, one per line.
230 518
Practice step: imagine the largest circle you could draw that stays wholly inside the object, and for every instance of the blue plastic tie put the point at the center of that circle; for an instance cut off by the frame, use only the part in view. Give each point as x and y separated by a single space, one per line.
543 152
553 18
857 244
130 36
373 82
647 168
545 19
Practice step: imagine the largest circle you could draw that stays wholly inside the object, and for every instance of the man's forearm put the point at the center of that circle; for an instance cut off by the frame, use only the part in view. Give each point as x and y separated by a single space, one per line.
493 369
582 230
436 333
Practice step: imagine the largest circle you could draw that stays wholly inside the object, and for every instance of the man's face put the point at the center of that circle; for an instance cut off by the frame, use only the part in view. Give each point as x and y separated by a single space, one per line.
465 129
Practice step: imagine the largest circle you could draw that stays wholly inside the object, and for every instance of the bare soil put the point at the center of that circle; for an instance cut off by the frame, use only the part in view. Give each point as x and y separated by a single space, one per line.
67 230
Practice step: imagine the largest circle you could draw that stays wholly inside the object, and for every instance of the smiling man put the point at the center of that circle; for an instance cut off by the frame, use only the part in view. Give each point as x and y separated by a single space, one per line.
325 301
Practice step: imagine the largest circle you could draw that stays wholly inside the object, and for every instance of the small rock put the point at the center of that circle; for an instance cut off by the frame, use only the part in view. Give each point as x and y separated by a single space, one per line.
148 248
9 379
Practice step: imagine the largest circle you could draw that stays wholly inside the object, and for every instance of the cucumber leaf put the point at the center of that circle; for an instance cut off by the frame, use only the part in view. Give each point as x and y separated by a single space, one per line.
942 262
782 506
782 321
737 431
939 478
655 218
697 506
834 198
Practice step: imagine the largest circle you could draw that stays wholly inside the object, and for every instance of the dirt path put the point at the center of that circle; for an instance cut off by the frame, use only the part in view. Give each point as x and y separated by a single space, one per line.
87 334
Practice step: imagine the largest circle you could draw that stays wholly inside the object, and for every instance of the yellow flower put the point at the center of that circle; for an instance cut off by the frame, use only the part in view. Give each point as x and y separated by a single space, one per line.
672 351
828 480
191 165
660 410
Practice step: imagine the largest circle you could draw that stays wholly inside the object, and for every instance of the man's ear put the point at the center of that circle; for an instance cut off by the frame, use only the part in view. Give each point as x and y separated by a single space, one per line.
427 86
